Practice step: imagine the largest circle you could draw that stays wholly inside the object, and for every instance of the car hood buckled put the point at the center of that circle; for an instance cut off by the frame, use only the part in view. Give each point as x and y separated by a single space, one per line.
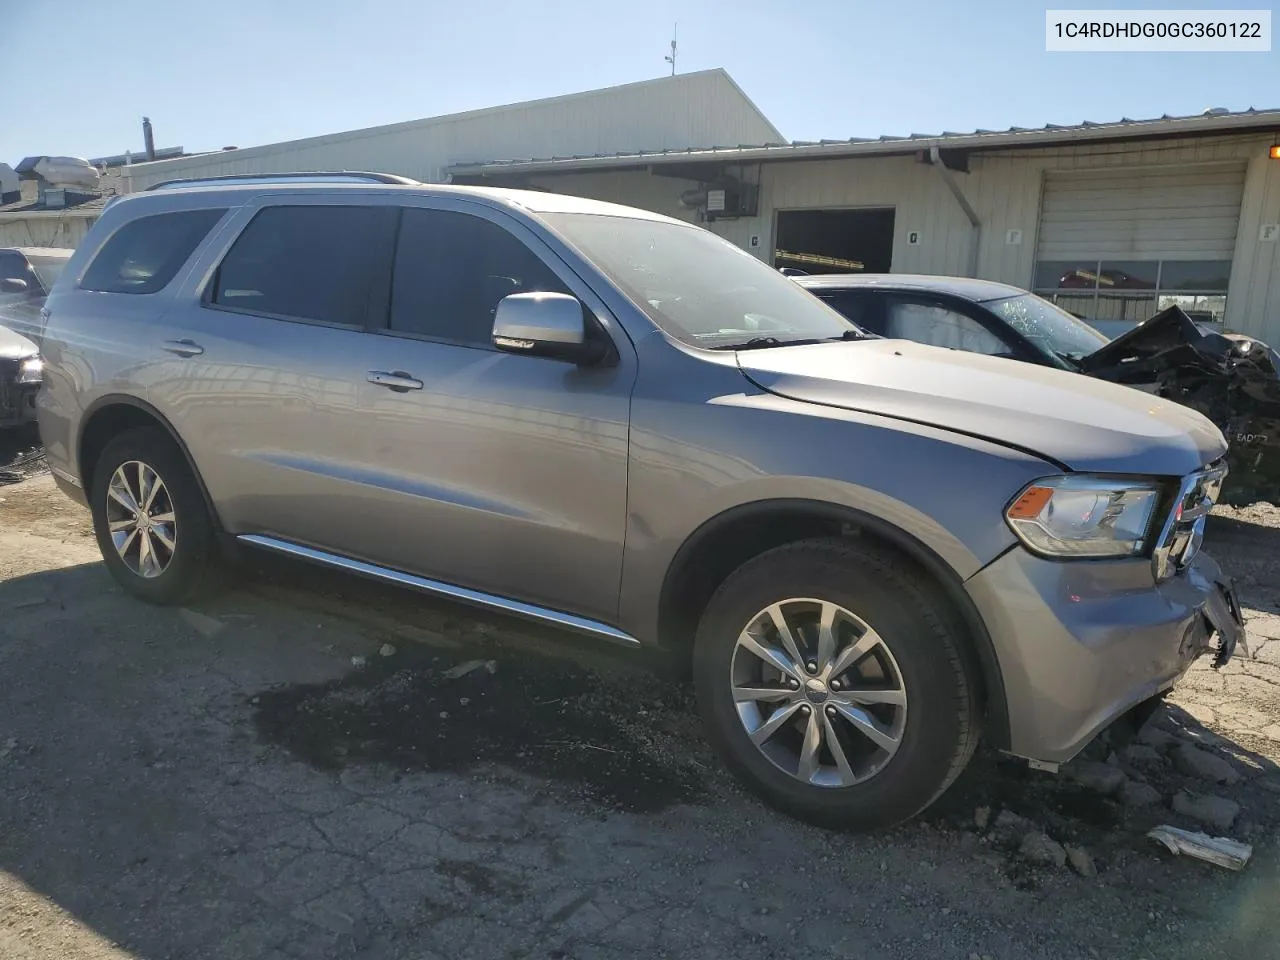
1079 422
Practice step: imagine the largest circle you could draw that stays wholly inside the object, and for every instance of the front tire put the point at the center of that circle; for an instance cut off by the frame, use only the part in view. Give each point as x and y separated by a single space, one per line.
150 518
832 685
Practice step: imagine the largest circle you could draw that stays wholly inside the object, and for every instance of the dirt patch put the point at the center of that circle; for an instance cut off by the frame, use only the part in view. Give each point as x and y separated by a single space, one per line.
629 742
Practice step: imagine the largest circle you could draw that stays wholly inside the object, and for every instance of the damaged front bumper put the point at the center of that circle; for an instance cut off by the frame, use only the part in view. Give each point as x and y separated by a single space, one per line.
1082 644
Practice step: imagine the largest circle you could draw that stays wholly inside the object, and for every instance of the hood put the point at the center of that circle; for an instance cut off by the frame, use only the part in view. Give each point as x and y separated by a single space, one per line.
14 346
1081 423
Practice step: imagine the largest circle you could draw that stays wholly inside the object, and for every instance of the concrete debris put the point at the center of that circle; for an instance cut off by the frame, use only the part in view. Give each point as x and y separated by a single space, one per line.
1037 847
203 624
1098 777
1135 794
359 661
1011 828
1142 755
1153 736
1195 762
386 650
982 817
1217 812
468 666
1222 851
1080 861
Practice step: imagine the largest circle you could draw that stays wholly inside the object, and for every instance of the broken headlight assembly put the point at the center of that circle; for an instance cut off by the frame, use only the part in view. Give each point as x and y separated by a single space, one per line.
1078 516
31 370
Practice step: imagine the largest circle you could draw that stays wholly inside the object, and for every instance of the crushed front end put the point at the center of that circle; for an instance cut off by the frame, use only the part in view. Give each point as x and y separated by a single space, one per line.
1232 379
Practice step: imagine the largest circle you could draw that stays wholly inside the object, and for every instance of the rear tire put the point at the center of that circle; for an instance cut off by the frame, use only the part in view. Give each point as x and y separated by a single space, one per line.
874 722
151 521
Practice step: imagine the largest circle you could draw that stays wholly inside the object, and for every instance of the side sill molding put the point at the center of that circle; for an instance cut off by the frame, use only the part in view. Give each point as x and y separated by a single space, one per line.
67 476
527 610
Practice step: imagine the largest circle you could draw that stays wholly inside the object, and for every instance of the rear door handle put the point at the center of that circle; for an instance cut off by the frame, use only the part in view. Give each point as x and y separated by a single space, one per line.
396 380
183 348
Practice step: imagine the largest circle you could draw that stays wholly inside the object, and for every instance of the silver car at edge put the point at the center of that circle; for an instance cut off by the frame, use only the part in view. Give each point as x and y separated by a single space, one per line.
870 551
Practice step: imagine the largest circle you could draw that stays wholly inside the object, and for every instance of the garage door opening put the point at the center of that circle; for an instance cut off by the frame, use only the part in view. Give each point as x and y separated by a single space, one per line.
835 241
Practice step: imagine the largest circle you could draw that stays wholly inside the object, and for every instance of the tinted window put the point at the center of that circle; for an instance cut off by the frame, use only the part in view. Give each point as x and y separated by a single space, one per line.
13 266
858 307
941 327
309 262
452 269
144 255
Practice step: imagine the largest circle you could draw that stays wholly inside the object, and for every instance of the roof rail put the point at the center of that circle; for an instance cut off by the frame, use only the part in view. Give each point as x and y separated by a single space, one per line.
234 179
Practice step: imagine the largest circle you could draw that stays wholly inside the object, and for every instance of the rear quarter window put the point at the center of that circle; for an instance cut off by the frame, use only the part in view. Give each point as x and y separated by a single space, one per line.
145 254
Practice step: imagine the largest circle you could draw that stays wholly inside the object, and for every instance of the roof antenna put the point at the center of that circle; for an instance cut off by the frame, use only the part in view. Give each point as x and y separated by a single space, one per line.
672 59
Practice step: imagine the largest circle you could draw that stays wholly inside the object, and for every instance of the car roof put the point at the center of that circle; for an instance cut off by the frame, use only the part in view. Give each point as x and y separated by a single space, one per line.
60 253
965 287
535 201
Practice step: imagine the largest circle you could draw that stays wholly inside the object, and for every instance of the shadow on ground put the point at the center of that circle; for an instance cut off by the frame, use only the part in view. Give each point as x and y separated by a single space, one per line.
225 783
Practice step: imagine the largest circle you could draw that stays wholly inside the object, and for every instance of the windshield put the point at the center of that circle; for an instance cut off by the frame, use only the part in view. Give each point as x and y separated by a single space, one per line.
1048 327
699 288
48 269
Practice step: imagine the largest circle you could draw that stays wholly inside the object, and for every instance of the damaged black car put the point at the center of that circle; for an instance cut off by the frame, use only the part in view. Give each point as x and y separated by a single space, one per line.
27 274
1232 379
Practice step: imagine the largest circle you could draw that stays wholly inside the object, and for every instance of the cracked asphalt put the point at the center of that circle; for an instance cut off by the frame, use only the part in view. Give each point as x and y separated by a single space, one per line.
226 782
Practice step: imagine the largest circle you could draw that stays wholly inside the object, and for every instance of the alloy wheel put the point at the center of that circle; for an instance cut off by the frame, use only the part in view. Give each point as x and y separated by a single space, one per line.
818 692
141 520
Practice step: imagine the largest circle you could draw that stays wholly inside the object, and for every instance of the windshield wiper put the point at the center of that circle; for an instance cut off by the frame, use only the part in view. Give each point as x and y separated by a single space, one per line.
756 343
1073 362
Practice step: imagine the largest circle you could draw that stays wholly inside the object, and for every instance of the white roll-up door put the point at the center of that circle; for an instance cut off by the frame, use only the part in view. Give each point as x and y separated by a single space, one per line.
1149 214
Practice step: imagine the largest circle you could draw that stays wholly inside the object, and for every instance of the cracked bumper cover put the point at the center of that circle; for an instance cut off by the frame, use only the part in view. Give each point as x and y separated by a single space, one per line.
1080 644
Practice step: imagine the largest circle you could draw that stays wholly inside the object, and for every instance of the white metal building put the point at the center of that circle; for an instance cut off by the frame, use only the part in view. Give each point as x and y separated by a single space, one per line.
667 113
23 224
1112 220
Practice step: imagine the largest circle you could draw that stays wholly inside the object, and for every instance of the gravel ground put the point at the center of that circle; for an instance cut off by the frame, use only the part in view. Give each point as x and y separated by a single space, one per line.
312 766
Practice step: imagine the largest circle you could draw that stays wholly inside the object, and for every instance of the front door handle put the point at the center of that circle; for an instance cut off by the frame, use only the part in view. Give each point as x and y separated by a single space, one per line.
183 348
396 380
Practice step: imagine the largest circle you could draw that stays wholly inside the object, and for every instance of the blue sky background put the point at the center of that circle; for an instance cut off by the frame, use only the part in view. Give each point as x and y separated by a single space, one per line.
77 76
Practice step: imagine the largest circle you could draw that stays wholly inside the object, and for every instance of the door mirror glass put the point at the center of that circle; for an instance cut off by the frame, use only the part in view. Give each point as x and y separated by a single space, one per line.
544 325
13 285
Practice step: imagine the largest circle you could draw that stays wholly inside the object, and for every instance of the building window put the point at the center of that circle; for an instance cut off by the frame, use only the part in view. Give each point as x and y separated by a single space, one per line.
1134 290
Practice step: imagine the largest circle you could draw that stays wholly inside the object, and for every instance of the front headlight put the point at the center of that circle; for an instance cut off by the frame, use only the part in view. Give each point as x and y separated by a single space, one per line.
1083 516
31 371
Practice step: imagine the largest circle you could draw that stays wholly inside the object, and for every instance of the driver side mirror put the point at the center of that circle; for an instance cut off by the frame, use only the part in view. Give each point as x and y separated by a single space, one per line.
545 325
13 285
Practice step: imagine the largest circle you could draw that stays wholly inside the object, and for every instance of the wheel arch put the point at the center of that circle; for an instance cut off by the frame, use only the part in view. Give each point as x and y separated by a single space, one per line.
721 544
112 414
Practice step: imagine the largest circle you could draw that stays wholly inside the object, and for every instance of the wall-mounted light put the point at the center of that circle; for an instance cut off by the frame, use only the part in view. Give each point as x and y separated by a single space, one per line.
1275 152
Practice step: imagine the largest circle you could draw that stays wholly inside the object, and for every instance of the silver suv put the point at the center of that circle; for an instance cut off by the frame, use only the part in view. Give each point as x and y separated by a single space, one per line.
869 550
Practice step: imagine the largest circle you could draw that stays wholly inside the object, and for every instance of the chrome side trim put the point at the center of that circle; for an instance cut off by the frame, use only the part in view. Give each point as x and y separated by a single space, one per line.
65 475
527 610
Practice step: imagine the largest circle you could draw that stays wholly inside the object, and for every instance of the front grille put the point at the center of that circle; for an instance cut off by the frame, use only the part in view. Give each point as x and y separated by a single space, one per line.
1183 531
10 395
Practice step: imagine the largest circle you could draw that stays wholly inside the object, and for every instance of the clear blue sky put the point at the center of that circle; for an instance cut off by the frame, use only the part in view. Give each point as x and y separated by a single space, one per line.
77 76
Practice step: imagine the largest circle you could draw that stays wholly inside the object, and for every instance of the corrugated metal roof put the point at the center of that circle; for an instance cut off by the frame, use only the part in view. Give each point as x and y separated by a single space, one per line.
679 80
88 208
980 139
